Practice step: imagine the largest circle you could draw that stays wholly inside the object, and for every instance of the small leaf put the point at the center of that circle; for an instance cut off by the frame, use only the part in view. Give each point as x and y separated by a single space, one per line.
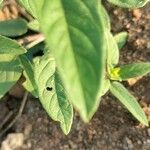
10 73
11 47
122 94
129 3
13 27
30 7
112 50
134 70
52 93
106 19
114 74
29 84
74 31
121 39
106 86
34 25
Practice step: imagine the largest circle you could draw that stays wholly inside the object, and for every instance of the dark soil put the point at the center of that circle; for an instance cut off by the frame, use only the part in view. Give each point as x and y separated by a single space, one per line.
112 127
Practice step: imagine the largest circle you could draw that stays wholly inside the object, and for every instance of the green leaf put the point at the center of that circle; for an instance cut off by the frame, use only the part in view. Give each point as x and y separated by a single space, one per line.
112 50
106 86
74 31
31 7
13 28
34 25
29 84
121 39
7 57
52 93
10 47
133 70
122 94
10 73
129 3
106 19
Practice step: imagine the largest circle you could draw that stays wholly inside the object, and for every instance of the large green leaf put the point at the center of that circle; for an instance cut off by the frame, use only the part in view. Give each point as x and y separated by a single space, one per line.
129 3
52 93
10 72
74 31
10 47
133 70
122 94
121 39
13 28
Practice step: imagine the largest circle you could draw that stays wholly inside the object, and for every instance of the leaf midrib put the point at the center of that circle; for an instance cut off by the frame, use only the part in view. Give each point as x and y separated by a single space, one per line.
72 51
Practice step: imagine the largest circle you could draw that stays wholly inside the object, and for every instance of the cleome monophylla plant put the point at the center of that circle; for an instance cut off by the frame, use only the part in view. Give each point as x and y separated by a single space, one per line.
74 60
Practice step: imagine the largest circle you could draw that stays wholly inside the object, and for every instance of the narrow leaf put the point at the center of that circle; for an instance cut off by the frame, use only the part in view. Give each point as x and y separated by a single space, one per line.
10 72
134 70
121 39
74 31
8 46
52 93
13 28
122 94
29 84
112 50
129 3
106 19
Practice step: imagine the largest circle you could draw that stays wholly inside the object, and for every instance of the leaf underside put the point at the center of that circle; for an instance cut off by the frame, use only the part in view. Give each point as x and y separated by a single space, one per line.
52 93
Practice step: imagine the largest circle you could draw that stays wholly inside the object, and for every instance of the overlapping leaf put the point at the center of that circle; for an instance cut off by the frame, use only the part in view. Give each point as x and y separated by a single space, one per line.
52 93
13 28
10 72
30 83
10 47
